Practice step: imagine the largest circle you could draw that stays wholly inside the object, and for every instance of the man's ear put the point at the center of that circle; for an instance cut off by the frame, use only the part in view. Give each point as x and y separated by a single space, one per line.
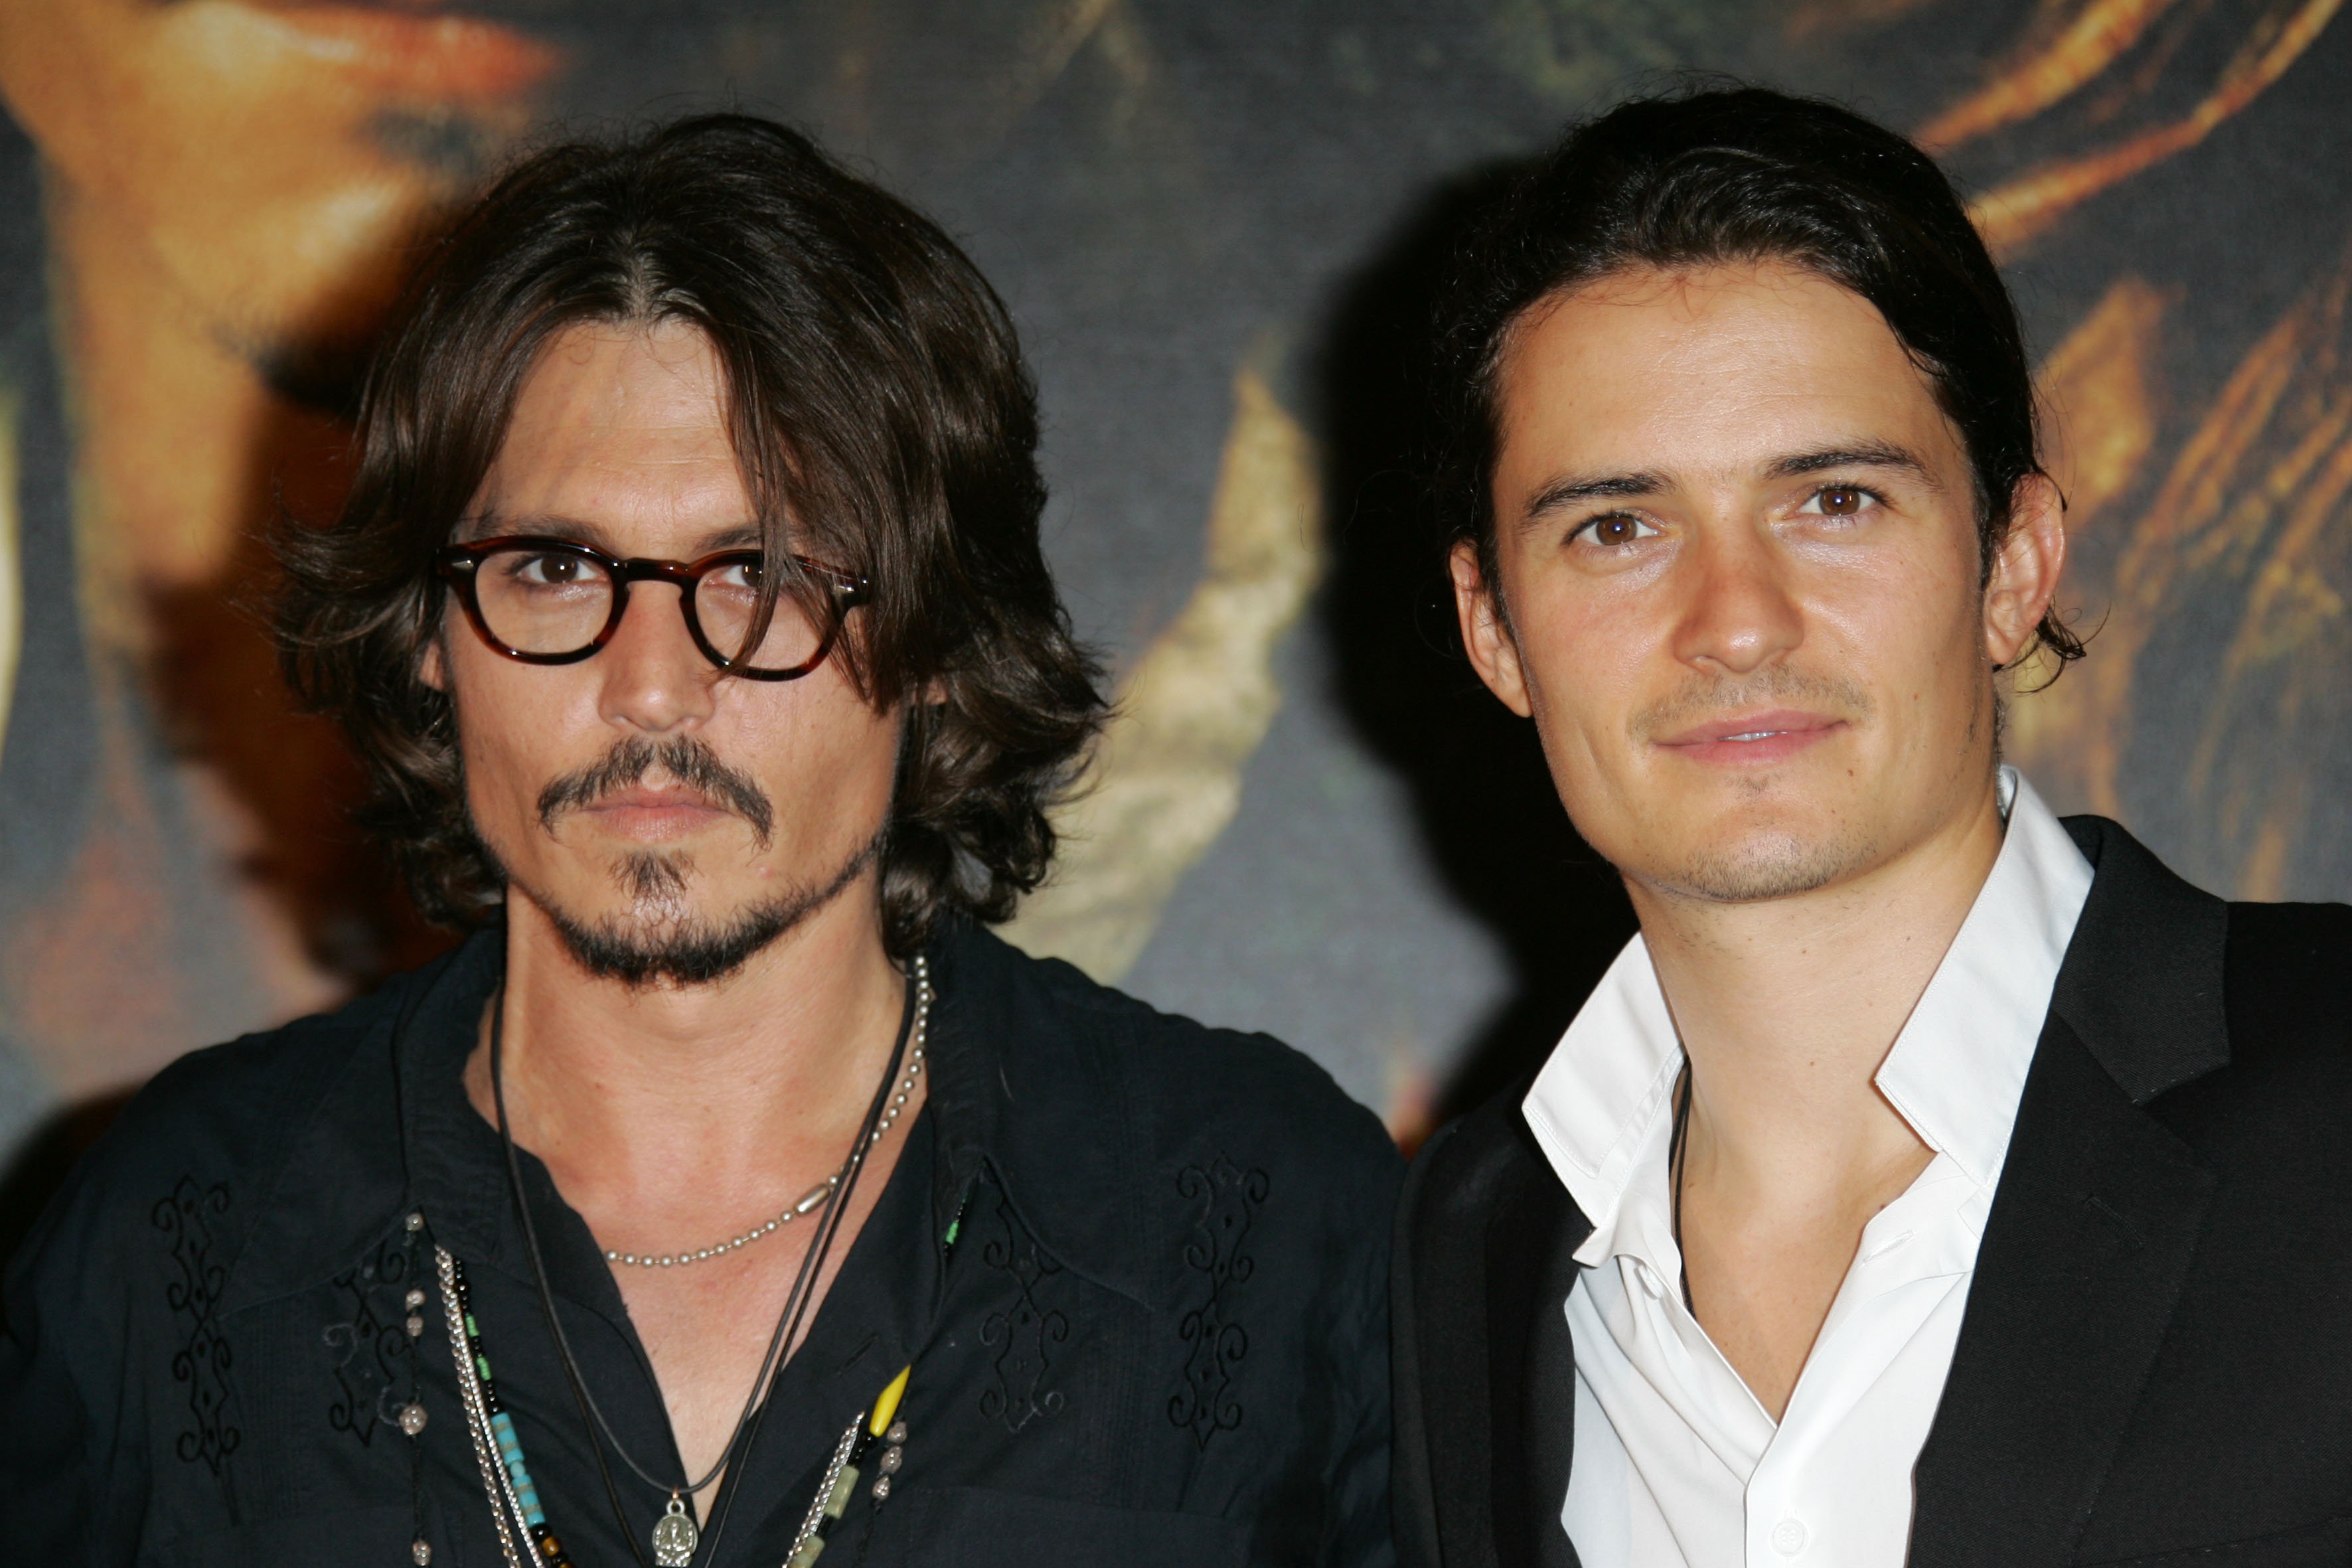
1486 631
2025 570
433 666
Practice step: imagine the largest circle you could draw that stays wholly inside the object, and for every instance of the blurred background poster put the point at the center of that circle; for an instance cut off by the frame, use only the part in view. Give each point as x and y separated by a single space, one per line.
1215 222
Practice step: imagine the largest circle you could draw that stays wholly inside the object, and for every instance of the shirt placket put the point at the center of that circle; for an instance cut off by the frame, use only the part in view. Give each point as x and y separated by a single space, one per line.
1795 1509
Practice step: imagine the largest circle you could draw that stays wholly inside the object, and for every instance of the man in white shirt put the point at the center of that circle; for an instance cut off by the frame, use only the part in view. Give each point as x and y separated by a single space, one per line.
1907 1191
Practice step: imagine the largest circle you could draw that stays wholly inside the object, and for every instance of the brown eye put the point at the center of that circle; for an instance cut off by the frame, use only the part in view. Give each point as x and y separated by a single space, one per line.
1842 500
1615 530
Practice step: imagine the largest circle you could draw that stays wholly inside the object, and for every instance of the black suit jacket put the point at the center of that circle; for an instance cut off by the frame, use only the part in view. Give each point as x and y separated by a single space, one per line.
2156 1363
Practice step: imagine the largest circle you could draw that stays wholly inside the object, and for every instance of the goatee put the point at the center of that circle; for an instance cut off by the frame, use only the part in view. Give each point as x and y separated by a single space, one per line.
660 943
660 940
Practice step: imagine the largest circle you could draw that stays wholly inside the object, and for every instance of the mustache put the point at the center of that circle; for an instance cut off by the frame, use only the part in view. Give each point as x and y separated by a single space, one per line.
688 761
1702 697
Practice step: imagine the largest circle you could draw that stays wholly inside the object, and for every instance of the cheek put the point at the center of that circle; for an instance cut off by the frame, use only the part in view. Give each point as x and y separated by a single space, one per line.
1908 628
825 757
1589 648
517 726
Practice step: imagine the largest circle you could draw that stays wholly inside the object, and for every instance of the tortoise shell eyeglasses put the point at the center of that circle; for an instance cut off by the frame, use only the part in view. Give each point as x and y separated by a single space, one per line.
557 601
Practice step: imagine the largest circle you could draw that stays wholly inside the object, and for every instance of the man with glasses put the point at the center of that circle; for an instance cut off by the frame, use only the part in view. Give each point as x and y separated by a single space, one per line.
730 1194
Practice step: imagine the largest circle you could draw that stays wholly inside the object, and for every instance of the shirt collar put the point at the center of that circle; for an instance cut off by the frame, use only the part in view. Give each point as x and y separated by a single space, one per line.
394 1134
1596 1106
1956 1072
456 1174
1029 1080
1025 1114
377 1146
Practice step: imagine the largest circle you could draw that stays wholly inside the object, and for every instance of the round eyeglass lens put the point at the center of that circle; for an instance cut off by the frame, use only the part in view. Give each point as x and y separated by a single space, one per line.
543 600
725 602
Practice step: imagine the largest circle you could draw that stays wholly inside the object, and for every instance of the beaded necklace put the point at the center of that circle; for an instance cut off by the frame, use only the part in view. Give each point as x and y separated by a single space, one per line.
506 1477
676 1535
506 1474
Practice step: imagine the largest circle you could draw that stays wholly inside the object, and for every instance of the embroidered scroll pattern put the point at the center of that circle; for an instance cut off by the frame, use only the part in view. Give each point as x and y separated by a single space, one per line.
1025 1335
1225 1200
371 1348
202 1364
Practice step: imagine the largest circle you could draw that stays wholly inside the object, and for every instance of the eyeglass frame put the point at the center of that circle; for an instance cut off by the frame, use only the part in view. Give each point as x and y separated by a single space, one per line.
457 564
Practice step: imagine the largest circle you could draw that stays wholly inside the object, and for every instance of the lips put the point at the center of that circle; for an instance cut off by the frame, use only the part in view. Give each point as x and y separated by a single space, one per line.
1752 739
655 813
413 50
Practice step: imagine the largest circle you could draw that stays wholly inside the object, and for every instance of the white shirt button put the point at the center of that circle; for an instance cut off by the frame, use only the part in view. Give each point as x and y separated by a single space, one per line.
1652 1283
1788 1537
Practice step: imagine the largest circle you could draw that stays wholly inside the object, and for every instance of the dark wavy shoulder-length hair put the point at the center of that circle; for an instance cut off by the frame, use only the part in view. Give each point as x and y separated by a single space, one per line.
1709 174
884 423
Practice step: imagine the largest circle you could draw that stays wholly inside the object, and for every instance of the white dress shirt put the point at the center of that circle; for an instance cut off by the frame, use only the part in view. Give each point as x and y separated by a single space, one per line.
1677 1465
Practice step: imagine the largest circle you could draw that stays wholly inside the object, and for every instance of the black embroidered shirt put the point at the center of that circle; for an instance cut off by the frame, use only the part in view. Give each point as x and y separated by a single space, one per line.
1138 1266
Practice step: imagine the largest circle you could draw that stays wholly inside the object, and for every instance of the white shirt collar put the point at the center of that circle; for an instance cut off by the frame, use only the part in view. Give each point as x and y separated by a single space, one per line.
1956 1073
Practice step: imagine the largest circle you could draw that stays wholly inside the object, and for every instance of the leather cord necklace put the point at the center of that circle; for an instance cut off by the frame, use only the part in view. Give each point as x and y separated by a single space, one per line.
1677 1146
674 1534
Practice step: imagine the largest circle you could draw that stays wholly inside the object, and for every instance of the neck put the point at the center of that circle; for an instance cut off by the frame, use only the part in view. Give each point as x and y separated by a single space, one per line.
705 1103
1788 1007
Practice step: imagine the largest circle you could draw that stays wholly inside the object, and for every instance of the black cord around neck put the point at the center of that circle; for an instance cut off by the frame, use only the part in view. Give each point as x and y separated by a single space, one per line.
830 1222
829 1218
1678 1147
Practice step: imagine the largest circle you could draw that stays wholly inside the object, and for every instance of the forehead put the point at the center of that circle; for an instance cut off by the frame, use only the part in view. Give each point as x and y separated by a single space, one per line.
622 428
1708 370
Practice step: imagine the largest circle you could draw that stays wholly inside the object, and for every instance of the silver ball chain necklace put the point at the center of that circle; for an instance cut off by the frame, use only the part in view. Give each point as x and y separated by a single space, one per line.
676 1535
814 1199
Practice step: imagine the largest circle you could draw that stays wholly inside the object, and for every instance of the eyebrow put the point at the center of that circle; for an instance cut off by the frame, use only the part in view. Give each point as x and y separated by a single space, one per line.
1868 455
491 524
1568 489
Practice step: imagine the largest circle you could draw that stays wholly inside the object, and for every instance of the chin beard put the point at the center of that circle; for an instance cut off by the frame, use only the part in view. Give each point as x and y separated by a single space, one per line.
662 942
1781 867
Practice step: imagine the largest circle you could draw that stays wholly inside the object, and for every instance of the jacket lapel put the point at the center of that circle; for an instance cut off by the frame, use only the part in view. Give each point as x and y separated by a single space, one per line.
1484 1397
1548 1389
2092 1230
1530 1251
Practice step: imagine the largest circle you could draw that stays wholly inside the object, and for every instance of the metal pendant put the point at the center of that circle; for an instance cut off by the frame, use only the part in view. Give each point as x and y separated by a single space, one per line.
676 1535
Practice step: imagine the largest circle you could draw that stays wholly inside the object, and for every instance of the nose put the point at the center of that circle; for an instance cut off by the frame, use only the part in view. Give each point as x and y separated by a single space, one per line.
654 680
1739 612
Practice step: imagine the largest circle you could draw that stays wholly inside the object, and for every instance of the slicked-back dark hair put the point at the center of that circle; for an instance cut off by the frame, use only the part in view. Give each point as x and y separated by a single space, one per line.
884 424
1728 175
